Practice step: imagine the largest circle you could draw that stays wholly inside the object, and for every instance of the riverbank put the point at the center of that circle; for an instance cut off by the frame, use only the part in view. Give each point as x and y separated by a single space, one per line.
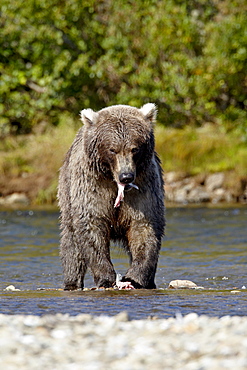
213 189
203 165
62 342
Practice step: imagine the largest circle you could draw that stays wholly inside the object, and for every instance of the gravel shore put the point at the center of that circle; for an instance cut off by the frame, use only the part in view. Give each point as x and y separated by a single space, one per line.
85 342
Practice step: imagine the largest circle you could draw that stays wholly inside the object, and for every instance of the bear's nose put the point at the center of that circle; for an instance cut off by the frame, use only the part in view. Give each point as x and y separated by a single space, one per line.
126 178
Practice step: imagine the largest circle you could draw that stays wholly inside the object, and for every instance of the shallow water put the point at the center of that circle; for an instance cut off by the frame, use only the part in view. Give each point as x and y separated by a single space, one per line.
207 246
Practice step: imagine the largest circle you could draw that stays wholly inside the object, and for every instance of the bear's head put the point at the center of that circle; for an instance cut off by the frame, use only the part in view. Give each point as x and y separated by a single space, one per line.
119 140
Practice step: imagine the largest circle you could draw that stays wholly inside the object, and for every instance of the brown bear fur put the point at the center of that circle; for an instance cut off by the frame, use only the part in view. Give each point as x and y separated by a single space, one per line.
114 145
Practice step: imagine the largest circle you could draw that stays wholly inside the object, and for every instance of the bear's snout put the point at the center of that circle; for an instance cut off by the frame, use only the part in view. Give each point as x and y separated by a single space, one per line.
126 177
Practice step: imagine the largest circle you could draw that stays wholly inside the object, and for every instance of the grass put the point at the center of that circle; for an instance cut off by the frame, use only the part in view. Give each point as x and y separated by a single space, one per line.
39 156
190 151
201 150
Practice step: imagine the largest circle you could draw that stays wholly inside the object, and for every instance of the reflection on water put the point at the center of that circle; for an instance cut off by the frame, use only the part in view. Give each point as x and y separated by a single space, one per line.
207 246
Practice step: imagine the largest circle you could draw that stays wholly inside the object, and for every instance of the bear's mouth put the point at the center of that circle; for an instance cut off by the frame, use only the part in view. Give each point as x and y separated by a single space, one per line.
120 195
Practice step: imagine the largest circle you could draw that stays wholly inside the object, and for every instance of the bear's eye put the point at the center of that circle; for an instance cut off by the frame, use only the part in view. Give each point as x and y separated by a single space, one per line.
135 150
112 151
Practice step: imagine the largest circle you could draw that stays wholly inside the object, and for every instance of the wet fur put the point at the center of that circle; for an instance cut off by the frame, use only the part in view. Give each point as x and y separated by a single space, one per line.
113 140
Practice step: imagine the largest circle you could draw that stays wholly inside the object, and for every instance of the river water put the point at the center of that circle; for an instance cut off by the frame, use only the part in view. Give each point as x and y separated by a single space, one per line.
205 245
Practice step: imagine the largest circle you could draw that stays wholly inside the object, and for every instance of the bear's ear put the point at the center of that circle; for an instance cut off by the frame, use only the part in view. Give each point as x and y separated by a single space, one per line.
149 111
88 116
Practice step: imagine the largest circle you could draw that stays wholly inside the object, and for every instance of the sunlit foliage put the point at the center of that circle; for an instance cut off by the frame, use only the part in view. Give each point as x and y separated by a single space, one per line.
189 57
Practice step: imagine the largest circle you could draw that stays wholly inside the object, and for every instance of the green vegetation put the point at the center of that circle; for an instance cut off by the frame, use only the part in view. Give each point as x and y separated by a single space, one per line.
201 150
58 57
189 57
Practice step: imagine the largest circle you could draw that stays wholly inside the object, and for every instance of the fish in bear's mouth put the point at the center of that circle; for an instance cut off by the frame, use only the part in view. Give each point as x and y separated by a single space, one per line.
121 189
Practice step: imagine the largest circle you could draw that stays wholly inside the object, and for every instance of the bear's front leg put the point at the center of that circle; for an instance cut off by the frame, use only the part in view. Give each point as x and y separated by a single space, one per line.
100 263
144 247
93 237
86 244
74 266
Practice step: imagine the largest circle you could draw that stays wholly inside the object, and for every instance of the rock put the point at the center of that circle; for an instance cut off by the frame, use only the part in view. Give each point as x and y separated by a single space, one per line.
15 198
62 341
183 284
122 317
243 196
215 181
221 195
178 191
12 288
173 176
198 195
180 195
187 192
180 188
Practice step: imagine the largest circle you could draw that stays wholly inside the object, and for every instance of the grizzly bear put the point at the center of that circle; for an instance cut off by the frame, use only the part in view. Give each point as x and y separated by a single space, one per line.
111 188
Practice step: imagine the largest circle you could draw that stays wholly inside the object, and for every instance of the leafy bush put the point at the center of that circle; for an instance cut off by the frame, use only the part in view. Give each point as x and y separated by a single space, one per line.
189 57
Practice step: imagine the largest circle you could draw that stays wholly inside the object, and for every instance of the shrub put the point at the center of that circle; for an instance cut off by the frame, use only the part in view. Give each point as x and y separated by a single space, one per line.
189 57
